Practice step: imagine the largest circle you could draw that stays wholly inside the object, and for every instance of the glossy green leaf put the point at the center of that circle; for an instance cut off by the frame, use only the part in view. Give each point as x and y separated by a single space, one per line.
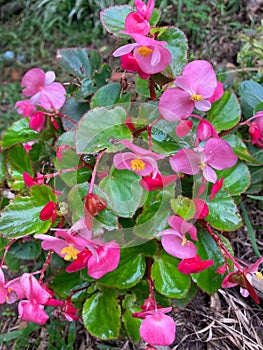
80 62
18 132
223 213
113 19
102 315
129 272
21 217
131 324
74 110
153 218
26 250
124 191
208 280
240 149
183 206
251 94
99 129
167 279
225 113
71 160
109 95
256 180
63 282
258 108
182 303
236 179
177 45
75 200
155 17
18 162
3 170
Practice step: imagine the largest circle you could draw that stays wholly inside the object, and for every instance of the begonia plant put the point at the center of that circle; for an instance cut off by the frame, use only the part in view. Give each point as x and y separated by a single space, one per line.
122 192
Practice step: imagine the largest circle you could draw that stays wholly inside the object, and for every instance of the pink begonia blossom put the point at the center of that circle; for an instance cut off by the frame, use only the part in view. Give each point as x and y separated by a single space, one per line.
28 146
49 211
183 127
67 247
157 329
144 10
101 259
138 22
216 153
37 121
205 130
174 240
194 265
215 188
151 55
25 108
129 63
243 279
218 93
141 161
201 208
32 309
63 307
256 130
43 90
193 89
150 183
10 291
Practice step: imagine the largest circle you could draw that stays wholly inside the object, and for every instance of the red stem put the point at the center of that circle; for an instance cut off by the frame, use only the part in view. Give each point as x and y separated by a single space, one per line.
93 176
6 251
45 266
49 176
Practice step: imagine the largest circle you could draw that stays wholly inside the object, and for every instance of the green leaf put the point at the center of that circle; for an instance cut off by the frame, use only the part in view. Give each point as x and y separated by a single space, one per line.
225 113
80 62
240 149
75 200
26 250
21 217
132 324
3 171
71 160
177 45
124 190
155 17
113 19
256 180
18 132
258 108
223 213
101 314
74 110
18 162
63 282
183 206
129 272
182 303
251 94
99 129
108 96
208 280
236 179
167 279
153 218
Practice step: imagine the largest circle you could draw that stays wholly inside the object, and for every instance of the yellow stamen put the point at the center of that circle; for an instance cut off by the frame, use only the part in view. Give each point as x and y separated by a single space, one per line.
259 275
71 253
144 51
184 241
196 98
137 165
202 165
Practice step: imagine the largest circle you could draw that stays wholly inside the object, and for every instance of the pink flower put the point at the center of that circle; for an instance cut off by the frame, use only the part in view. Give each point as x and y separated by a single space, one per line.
243 278
129 63
174 240
32 309
216 153
64 307
44 91
141 161
215 188
100 259
201 208
157 329
49 211
30 181
28 146
204 131
138 22
194 265
219 92
183 128
37 121
256 130
25 108
194 88
150 183
150 54
68 246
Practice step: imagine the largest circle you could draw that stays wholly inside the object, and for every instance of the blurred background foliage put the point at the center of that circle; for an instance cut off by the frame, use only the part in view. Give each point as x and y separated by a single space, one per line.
226 32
